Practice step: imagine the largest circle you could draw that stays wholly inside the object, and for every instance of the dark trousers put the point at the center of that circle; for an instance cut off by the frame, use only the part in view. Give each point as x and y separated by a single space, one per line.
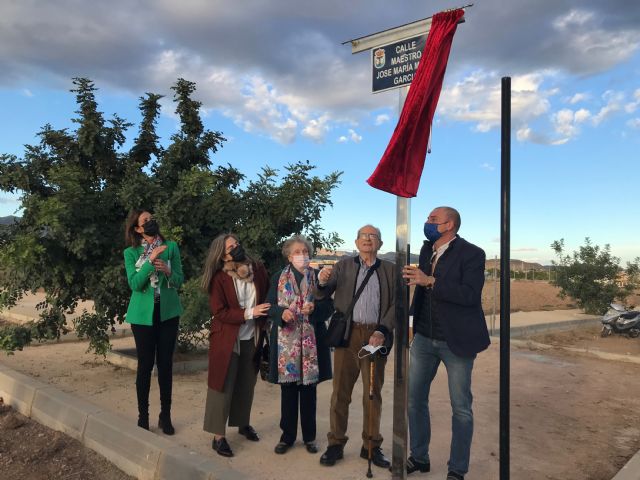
292 396
155 343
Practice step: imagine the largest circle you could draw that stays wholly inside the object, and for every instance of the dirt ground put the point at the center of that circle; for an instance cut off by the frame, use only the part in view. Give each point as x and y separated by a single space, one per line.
572 417
31 451
590 339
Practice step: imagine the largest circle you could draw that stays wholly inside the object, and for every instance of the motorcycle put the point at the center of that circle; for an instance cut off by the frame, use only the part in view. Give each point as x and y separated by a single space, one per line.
620 320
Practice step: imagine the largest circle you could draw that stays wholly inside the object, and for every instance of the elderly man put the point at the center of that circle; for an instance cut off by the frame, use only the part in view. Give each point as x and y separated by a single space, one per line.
449 327
372 321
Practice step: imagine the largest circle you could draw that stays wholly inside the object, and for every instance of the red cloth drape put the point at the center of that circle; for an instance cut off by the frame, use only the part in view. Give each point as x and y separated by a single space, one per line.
401 165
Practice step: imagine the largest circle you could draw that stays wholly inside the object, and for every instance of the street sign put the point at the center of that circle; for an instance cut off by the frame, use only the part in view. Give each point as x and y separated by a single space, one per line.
394 65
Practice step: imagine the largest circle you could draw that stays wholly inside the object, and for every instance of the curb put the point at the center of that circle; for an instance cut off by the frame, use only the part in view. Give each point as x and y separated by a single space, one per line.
546 327
135 451
594 353
122 358
631 471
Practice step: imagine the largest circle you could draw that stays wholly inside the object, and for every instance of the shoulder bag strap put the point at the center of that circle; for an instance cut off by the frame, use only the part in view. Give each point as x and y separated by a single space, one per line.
347 332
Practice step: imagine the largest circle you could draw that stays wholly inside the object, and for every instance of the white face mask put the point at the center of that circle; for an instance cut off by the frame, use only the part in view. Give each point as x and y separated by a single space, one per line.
300 261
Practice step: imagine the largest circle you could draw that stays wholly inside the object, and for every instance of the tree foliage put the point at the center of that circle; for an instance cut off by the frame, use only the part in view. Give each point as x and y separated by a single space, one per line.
77 187
592 276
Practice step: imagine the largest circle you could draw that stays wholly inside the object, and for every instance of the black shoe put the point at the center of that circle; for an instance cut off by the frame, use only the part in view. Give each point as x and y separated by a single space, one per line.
311 447
281 448
164 424
333 454
222 447
416 466
143 422
454 476
377 457
249 432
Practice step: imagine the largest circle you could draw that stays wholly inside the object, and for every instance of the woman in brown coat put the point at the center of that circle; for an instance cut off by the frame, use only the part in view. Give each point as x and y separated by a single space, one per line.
237 287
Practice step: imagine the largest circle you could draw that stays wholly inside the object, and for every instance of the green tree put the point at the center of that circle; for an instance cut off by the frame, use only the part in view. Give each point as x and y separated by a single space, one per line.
77 187
590 276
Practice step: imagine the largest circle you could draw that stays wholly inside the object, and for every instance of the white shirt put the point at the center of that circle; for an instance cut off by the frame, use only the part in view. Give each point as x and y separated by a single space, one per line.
246 293
438 253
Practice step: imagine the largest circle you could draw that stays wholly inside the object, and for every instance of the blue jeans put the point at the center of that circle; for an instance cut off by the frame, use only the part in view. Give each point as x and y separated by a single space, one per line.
426 355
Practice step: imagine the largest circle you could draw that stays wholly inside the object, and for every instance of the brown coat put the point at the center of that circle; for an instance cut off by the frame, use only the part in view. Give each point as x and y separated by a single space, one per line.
227 318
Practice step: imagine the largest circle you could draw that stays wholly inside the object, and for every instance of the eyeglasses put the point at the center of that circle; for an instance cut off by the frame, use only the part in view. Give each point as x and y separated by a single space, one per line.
368 236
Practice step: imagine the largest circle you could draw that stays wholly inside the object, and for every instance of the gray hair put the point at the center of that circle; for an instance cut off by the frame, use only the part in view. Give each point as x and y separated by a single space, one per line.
453 215
372 226
288 243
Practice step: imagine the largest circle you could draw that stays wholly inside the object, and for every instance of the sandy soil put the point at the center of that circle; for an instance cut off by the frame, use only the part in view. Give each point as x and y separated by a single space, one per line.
572 417
589 338
31 451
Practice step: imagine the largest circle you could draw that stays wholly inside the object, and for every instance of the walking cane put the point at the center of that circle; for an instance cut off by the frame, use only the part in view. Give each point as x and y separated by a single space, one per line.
372 364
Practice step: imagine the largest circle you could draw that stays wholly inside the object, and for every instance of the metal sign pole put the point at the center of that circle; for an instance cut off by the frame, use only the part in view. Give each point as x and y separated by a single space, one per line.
505 285
400 378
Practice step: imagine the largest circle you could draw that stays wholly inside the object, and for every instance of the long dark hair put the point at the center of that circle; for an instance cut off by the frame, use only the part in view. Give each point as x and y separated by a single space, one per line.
131 237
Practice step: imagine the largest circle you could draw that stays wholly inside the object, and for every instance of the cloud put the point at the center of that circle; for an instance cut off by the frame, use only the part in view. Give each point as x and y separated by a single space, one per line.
524 249
634 123
633 105
316 128
578 97
281 71
566 122
613 104
353 136
27 93
476 99
382 118
487 166
574 18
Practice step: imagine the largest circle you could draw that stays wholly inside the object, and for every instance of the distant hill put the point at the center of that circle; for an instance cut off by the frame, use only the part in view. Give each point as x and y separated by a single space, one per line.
9 220
517 265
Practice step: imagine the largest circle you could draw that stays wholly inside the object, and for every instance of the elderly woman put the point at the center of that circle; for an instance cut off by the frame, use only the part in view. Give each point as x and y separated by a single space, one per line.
298 358
154 273
237 287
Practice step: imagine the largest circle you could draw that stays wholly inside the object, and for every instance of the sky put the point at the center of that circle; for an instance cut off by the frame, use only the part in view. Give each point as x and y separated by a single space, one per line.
276 79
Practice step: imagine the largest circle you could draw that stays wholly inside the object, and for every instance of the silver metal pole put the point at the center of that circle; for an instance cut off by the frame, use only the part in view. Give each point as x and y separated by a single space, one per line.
401 379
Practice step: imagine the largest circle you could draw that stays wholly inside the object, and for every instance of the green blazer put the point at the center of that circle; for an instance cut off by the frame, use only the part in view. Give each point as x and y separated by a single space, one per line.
140 311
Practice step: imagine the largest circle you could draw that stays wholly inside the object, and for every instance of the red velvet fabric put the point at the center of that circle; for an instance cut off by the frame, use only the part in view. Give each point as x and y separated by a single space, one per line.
401 165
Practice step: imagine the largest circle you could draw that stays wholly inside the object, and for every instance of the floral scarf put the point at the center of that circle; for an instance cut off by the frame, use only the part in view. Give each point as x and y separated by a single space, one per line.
297 352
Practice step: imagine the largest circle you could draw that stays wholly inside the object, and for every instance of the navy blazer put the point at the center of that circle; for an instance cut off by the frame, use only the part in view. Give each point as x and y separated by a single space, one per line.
457 295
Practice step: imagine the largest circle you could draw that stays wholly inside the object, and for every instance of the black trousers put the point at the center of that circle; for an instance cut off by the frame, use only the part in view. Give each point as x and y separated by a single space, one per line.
155 343
292 396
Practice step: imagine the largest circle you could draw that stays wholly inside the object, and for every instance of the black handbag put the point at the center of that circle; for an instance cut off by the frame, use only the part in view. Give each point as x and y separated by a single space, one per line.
339 329
261 356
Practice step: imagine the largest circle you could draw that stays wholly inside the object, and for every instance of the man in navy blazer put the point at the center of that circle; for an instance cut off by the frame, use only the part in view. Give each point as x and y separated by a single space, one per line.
448 327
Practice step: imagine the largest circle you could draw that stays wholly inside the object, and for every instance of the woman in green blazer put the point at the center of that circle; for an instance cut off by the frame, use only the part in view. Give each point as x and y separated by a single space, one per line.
154 273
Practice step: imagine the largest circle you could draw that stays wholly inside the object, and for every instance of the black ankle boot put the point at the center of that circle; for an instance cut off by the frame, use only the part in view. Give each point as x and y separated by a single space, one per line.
143 421
164 423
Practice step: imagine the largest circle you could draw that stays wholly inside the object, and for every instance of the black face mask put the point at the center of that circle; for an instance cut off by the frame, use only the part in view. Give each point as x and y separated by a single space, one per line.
238 254
151 228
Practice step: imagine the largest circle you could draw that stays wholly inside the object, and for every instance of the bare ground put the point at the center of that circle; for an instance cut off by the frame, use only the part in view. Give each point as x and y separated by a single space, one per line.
31 451
572 417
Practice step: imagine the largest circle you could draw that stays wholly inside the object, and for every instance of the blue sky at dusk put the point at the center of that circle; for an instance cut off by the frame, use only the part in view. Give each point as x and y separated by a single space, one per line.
275 78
